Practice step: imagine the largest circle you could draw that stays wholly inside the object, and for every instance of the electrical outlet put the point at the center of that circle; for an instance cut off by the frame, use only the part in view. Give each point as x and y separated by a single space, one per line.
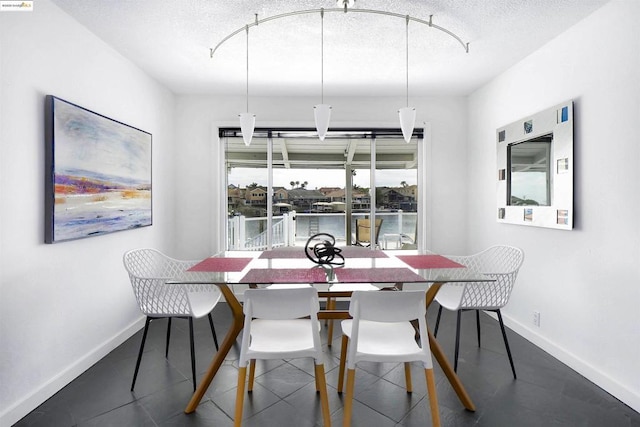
536 318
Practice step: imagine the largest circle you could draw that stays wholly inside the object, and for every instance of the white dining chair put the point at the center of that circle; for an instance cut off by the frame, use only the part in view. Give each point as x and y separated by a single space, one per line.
381 331
150 272
281 323
500 262
331 301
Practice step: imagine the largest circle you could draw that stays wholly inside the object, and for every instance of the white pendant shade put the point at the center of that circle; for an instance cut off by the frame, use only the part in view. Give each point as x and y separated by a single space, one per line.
322 114
247 125
407 121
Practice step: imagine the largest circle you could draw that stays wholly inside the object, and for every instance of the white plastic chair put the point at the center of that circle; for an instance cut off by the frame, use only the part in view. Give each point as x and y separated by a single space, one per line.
381 331
500 262
149 271
281 323
331 301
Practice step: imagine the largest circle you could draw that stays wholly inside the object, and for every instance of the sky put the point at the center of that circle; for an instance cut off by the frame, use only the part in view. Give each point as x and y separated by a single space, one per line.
318 178
88 141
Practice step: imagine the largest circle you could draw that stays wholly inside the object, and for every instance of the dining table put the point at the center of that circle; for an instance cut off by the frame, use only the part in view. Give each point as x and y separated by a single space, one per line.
390 270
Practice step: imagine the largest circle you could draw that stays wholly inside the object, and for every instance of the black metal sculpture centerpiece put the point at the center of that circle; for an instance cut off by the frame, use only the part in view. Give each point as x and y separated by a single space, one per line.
323 251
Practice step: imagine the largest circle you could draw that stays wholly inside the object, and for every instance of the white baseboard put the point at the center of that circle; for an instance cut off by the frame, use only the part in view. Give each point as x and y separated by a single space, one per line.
592 373
27 404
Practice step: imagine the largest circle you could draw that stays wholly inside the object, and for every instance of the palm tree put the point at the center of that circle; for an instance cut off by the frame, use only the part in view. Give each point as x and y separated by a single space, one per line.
404 184
292 184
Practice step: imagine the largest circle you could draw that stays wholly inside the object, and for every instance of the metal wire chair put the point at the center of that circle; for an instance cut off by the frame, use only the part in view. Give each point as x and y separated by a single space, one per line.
150 272
499 262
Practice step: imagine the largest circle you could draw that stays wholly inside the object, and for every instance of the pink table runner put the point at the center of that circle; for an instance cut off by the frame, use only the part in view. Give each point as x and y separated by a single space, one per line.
284 275
221 264
429 261
377 275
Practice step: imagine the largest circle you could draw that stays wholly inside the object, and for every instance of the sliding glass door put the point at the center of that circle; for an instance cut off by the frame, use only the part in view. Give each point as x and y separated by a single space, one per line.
287 186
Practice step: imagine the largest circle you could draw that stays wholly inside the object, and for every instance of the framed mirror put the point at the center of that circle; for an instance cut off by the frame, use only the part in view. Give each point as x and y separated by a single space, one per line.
535 169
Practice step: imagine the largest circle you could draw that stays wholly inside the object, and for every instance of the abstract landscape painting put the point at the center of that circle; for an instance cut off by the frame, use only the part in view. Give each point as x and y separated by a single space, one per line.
98 174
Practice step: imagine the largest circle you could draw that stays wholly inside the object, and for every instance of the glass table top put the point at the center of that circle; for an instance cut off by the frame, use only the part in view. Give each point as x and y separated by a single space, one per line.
291 265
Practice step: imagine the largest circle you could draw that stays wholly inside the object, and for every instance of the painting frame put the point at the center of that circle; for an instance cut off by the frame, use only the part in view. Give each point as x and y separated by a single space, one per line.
98 173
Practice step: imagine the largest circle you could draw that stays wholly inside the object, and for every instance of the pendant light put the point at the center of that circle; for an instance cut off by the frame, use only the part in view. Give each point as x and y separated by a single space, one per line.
407 114
322 111
247 119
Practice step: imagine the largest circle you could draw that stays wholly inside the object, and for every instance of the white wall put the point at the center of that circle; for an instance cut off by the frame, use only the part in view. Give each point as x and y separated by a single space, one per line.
197 115
585 282
64 306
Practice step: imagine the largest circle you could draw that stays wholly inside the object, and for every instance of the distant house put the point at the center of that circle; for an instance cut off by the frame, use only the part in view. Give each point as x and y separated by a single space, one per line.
409 190
235 196
335 195
392 198
256 196
280 195
303 200
360 200
327 190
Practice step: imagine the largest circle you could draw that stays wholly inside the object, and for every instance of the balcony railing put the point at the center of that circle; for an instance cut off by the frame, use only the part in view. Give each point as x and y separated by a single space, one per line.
293 229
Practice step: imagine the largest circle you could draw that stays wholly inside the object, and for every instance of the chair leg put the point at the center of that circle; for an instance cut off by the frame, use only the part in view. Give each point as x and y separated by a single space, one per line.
433 398
332 306
407 377
166 351
213 331
327 307
252 374
144 338
242 376
193 353
348 400
455 357
324 398
435 331
343 361
478 325
506 344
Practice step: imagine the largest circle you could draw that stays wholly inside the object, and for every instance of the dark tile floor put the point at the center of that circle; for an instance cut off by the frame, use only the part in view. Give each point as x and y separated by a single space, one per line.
546 393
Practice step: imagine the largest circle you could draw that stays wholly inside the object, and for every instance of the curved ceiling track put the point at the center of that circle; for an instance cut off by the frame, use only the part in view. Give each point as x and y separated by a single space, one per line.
257 22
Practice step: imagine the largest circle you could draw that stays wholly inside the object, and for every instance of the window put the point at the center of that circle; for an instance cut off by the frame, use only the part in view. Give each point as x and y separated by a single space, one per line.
325 186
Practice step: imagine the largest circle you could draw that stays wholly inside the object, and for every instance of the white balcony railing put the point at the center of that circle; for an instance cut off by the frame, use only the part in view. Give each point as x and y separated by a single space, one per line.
251 233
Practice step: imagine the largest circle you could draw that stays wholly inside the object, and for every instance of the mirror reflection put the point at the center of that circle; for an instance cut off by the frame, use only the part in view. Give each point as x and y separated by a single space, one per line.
529 179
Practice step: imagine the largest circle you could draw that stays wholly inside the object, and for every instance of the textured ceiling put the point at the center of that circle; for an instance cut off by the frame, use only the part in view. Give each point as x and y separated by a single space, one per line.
364 54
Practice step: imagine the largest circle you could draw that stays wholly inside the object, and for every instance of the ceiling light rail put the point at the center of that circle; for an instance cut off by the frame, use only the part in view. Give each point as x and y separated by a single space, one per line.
257 22
308 133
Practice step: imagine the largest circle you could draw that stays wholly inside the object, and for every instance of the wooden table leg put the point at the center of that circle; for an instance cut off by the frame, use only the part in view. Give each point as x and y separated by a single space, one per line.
453 378
437 352
229 340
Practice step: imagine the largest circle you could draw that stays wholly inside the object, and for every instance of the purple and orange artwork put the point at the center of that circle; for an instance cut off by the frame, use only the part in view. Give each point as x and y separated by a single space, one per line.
98 174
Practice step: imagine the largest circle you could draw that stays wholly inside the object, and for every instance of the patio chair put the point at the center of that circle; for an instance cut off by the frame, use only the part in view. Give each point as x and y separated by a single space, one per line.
149 271
363 232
